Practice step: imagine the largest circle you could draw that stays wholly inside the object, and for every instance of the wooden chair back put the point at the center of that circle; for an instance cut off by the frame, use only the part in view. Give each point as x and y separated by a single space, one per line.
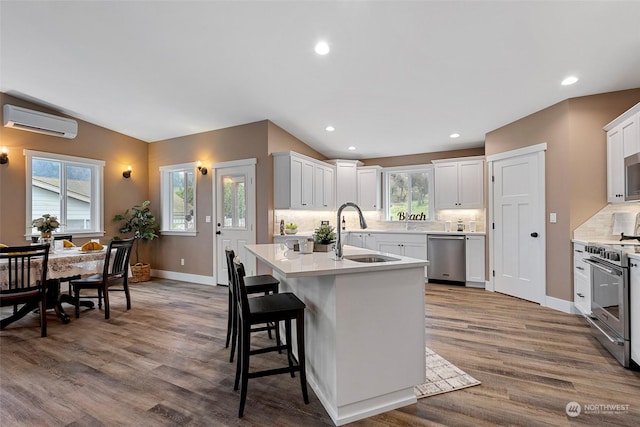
23 277
116 262
242 297
230 255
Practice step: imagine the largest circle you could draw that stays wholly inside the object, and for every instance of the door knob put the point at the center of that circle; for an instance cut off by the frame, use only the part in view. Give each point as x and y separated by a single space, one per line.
218 232
534 234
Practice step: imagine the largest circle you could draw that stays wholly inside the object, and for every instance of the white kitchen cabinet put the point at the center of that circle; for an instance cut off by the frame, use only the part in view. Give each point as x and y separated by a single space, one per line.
346 181
615 167
475 260
301 182
623 139
459 184
404 244
634 308
581 279
324 187
362 240
630 135
369 187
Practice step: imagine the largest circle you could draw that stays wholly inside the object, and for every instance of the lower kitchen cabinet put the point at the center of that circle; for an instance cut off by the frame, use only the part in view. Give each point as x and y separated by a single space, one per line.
474 253
581 280
411 245
634 308
362 240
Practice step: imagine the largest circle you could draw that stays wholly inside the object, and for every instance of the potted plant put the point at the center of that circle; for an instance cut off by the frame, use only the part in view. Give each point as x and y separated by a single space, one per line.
46 225
291 228
323 238
142 223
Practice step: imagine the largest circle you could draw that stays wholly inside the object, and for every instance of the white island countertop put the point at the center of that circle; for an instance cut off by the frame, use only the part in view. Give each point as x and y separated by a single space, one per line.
291 263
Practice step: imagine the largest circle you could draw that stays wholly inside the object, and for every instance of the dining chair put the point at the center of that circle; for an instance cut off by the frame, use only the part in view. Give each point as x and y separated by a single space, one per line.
68 279
263 283
273 308
23 274
114 272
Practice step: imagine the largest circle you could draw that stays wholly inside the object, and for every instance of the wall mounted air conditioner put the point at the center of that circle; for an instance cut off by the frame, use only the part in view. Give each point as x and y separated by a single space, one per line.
36 121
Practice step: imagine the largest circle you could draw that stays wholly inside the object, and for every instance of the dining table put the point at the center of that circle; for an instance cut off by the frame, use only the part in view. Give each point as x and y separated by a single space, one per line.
65 263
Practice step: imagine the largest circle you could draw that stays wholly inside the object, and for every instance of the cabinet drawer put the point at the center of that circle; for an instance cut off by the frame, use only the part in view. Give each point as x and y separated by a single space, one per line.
581 267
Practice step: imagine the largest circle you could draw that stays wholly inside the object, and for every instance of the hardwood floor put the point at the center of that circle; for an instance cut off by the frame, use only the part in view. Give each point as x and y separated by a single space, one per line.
163 363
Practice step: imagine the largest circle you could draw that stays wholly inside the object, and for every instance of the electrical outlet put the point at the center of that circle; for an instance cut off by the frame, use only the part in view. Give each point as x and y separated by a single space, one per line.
181 261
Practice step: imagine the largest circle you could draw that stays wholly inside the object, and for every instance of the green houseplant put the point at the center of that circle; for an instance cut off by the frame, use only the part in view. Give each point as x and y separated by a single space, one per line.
323 237
142 223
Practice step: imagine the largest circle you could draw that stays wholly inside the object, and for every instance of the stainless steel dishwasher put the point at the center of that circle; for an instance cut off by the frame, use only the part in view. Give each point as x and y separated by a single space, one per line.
446 257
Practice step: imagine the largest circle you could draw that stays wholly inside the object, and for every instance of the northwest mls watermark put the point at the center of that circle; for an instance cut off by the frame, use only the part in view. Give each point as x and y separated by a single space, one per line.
574 409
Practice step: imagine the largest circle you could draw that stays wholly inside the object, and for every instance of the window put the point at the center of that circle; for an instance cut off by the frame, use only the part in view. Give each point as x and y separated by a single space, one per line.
409 192
178 198
235 201
67 187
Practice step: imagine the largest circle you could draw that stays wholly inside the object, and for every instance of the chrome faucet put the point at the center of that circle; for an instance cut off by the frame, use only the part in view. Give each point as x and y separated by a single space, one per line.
363 225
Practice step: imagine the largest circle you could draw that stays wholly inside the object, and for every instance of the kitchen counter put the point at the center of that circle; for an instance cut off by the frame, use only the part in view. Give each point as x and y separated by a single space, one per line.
364 327
303 234
291 263
601 241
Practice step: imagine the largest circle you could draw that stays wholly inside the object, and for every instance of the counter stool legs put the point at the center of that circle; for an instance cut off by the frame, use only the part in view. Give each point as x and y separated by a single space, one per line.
242 368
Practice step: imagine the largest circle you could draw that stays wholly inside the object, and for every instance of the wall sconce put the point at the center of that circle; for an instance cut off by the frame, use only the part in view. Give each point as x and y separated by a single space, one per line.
127 173
4 156
201 168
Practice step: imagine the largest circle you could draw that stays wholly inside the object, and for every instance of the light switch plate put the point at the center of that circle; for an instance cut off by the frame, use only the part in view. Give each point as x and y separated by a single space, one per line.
552 218
207 218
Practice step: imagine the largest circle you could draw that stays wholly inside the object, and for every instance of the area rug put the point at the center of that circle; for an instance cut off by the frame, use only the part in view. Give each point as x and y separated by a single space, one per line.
442 377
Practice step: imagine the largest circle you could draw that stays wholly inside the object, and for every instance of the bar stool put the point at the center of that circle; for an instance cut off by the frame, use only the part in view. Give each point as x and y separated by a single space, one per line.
268 308
264 283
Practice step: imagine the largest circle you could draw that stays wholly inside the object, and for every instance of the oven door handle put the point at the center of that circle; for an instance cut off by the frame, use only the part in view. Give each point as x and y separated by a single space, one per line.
615 341
603 268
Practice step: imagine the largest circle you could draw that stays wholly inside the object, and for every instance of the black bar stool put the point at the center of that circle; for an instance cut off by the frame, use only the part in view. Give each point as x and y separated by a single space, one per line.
264 283
267 309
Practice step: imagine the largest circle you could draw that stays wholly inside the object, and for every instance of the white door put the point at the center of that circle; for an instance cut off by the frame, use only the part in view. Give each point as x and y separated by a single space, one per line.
518 218
235 214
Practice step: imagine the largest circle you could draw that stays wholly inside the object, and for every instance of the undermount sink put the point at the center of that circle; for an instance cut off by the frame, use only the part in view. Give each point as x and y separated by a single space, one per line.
370 258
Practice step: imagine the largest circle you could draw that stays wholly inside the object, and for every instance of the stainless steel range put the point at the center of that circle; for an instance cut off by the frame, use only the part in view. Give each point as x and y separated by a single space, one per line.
610 298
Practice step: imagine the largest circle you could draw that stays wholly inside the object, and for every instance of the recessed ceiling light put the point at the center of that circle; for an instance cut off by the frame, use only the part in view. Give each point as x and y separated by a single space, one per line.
329 128
322 48
569 81
352 148
454 135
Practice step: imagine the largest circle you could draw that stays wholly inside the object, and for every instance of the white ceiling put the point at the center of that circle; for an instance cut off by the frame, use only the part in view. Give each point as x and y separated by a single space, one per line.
400 77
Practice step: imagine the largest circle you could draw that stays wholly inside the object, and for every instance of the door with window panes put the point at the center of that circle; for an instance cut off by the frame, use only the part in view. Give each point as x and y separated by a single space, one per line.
235 216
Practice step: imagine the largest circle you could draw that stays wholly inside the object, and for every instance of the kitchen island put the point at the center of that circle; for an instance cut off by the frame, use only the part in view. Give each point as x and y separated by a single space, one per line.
364 326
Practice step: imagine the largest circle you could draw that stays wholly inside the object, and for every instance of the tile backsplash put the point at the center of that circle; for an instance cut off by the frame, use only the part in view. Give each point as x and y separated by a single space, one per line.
600 225
308 220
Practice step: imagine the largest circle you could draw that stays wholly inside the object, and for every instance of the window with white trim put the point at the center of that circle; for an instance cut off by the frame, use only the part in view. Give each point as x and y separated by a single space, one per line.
68 187
409 193
178 199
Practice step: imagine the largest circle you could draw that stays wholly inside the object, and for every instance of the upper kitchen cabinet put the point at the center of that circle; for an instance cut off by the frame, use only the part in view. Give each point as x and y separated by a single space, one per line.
615 168
369 187
623 140
459 183
346 181
301 182
324 187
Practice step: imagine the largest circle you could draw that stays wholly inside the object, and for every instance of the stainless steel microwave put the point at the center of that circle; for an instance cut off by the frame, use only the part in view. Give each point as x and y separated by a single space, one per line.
632 177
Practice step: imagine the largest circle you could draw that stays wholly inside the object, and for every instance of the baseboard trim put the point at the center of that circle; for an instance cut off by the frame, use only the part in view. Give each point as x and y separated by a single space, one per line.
559 304
184 277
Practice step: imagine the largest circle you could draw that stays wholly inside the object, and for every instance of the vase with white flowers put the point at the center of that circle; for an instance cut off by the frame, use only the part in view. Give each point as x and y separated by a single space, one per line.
46 224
